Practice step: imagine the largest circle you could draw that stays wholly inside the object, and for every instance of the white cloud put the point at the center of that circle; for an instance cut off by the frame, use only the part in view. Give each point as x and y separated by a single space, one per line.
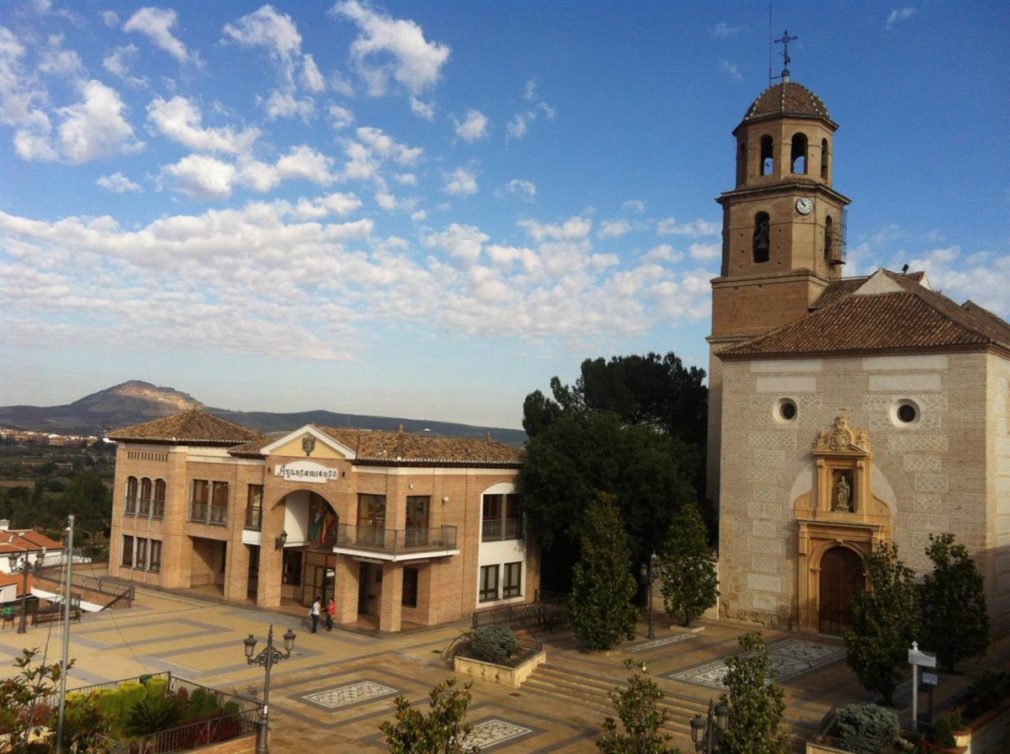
306 163
462 242
613 228
379 143
202 177
156 24
518 187
424 110
312 79
392 49
406 179
897 15
269 29
117 183
461 182
530 90
57 61
519 125
340 117
109 18
95 127
694 229
662 253
120 62
284 104
634 205
731 69
724 30
574 228
983 277
705 252
34 144
181 120
472 127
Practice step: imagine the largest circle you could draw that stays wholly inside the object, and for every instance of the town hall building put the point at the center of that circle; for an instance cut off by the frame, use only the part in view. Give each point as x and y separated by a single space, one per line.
399 528
844 412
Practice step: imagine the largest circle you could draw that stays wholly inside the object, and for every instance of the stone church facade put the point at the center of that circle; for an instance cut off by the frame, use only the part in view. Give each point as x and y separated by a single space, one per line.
844 412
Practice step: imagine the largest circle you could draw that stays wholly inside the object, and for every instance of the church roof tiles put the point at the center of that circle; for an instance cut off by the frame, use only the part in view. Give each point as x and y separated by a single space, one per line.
193 427
787 99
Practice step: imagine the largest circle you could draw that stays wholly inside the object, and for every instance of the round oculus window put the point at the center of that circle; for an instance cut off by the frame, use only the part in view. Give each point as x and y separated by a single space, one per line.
786 410
905 413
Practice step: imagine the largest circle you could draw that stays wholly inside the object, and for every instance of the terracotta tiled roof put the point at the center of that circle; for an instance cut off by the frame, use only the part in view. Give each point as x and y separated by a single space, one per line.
839 289
403 448
787 98
195 427
21 540
908 316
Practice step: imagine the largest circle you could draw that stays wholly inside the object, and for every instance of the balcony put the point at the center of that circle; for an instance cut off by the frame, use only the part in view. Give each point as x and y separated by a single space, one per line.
496 529
395 545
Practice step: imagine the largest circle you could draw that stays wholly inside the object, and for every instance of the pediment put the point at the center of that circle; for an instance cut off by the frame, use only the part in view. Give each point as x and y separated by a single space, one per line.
841 438
308 442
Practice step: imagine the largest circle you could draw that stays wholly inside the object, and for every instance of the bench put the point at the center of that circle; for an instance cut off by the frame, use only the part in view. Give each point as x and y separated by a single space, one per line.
54 616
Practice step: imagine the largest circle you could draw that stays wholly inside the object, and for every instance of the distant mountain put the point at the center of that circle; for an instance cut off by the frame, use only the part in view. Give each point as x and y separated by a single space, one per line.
135 402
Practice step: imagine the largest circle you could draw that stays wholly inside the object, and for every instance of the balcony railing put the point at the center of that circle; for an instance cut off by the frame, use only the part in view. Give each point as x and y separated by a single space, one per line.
254 518
496 529
395 541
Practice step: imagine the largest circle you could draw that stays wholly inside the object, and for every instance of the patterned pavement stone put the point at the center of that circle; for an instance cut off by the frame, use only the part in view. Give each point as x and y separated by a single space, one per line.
791 657
351 693
493 732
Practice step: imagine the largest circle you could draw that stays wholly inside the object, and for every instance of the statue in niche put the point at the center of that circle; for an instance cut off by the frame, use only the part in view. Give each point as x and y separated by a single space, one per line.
843 495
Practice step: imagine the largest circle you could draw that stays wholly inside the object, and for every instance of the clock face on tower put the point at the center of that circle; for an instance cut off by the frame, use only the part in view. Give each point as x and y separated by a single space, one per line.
804 205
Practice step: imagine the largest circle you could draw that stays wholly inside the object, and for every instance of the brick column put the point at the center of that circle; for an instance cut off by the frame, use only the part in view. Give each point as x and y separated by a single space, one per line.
236 571
427 595
346 590
391 601
268 588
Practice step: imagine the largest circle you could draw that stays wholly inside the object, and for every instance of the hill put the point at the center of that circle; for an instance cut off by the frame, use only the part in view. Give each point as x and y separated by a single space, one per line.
135 402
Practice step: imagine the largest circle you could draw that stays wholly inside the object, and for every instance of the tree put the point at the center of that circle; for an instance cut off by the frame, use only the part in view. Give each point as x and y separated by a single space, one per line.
885 622
756 702
23 696
955 620
441 731
638 708
602 586
580 456
688 576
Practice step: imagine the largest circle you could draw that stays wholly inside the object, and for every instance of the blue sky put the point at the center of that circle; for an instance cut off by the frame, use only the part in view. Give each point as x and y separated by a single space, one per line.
428 209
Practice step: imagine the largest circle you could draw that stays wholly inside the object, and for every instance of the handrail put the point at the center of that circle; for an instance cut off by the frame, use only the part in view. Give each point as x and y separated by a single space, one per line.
395 541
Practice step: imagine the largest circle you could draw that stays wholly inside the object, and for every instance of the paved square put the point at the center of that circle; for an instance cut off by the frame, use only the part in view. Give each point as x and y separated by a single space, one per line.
660 642
493 732
791 657
351 693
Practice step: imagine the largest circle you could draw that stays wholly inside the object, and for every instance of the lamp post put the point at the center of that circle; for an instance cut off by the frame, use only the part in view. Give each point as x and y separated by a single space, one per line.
267 658
648 573
21 563
707 732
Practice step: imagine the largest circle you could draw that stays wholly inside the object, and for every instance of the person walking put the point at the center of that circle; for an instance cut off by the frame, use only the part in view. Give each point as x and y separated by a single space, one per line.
331 611
314 613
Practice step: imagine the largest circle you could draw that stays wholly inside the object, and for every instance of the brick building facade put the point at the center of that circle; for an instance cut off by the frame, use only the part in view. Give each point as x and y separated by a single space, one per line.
403 528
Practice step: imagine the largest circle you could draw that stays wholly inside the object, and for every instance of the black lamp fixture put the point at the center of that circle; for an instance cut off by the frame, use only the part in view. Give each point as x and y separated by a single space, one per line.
269 657
281 540
21 563
706 732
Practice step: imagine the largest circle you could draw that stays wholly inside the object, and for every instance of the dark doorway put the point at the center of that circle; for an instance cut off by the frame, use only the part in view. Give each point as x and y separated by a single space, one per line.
841 576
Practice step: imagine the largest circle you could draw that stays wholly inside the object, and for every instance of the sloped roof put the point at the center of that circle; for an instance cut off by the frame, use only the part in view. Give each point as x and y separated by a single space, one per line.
787 99
194 427
839 289
22 540
905 315
377 447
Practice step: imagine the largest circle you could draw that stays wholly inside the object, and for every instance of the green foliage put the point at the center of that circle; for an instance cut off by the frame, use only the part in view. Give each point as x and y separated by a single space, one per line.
867 728
152 714
493 643
885 623
22 696
82 723
203 704
440 731
638 708
756 702
987 690
688 577
602 586
944 728
955 621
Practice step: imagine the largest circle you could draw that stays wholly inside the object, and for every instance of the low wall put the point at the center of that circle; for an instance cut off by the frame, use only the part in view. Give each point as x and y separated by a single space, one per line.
500 674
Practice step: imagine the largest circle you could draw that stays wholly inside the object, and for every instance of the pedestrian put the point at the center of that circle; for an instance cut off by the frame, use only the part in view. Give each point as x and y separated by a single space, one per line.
314 612
331 611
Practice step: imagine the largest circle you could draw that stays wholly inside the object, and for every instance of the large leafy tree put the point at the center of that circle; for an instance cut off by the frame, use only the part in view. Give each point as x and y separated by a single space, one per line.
688 576
440 731
641 718
955 621
885 622
602 585
756 702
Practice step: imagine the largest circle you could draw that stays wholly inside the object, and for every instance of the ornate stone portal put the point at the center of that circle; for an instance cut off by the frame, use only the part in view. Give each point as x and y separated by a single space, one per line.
838 513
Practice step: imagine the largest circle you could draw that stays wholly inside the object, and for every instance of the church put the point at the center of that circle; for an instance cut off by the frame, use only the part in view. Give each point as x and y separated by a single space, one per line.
844 412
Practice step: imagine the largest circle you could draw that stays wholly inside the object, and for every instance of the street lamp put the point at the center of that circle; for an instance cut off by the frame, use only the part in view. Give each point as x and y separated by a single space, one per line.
21 563
267 658
707 733
648 573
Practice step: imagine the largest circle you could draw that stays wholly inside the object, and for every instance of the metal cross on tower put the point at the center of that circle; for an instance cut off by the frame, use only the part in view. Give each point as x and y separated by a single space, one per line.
784 40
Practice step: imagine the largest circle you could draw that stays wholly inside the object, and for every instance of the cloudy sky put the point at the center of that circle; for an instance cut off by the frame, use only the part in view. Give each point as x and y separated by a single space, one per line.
427 209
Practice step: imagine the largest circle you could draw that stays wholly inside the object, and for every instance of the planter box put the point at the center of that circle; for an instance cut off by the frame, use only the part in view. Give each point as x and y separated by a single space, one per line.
813 748
500 674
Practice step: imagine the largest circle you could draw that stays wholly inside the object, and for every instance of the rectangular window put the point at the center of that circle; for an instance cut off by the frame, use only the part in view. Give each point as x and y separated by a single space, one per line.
131 496
491 527
488 583
127 559
502 517
155 564
513 517
417 520
409 587
292 571
145 497
219 504
512 586
199 507
371 520
141 559
158 509
254 507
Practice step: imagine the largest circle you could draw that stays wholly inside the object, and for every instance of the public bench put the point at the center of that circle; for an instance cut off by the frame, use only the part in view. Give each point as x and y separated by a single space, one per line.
54 616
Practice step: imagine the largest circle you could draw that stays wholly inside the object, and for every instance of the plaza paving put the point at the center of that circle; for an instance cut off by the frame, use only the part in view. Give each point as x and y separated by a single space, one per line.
338 686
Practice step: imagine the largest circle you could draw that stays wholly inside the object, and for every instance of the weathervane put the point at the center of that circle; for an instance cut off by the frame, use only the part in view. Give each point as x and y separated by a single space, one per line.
784 40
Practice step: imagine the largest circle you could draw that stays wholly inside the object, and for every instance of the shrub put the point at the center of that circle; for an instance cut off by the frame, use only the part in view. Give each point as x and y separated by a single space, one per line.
867 728
986 691
153 714
493 643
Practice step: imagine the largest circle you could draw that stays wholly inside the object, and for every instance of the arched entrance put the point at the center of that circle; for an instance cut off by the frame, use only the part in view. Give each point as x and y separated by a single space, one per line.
841 575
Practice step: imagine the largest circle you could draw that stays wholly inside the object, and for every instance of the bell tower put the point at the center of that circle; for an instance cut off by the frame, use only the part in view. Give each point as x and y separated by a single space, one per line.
783 229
